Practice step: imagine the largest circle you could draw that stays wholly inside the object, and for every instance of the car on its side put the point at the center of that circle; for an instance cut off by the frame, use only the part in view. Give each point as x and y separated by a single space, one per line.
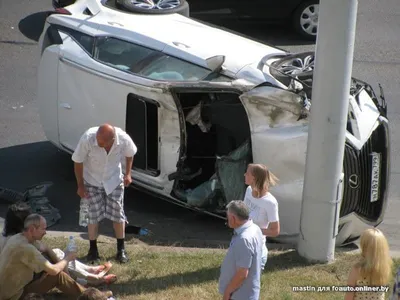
301 14
201 104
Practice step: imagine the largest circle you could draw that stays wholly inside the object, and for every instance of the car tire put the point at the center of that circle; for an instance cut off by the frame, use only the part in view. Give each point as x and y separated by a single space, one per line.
306 76
182 9
307 8
62 3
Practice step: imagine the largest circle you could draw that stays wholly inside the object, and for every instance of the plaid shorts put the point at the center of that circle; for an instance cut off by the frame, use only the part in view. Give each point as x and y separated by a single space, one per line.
106 206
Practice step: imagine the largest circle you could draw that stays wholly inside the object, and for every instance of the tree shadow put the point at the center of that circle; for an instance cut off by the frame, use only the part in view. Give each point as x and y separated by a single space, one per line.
32 26
291 259
152 285
170 225
29 164
286 260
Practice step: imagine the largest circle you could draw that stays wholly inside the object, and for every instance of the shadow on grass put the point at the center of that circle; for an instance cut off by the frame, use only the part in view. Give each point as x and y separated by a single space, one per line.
277 262
286 260
291 259
153 285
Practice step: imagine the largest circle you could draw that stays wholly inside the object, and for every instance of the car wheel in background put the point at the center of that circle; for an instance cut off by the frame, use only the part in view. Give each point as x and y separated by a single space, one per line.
62 3
305 19
156 7
299 65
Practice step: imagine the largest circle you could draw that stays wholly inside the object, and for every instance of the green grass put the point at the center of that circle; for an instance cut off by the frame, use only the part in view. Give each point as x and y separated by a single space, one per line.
180 273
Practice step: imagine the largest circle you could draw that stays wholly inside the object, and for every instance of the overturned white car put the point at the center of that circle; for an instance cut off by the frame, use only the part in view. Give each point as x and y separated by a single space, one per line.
202 103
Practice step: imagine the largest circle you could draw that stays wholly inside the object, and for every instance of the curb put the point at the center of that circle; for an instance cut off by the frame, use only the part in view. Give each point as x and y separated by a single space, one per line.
196 243
185 243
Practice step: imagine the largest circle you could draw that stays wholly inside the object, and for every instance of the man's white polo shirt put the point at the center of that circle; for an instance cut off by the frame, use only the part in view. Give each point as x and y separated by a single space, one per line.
99 168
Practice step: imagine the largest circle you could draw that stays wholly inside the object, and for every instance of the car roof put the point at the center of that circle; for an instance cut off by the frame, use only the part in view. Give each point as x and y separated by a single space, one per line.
173 34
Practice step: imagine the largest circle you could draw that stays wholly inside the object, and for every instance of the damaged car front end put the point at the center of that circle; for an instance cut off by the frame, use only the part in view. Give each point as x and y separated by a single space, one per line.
366 150
268 124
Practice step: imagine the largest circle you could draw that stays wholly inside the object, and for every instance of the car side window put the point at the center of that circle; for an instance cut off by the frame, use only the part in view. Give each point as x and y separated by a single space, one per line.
84 40
120 54
171 68
145 62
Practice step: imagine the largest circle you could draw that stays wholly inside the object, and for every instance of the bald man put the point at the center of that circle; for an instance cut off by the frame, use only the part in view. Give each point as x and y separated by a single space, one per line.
98 171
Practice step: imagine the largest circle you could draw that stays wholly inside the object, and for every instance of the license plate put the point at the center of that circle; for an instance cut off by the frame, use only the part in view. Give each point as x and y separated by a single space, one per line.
375 176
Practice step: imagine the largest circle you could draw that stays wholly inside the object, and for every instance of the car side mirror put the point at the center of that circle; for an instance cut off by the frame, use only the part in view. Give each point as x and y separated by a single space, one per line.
215 63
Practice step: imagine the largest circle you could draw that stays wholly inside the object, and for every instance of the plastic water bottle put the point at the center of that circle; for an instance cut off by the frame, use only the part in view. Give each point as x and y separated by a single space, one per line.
72 248
84 213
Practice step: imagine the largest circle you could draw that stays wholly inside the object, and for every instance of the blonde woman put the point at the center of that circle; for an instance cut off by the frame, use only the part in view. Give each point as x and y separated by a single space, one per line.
374 267
262 204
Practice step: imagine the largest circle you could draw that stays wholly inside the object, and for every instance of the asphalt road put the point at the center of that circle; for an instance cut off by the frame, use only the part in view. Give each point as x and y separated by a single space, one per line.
26 158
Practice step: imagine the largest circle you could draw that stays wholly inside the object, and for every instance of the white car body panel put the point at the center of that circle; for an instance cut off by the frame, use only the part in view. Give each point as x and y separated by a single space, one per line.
364 123
272 126
47 92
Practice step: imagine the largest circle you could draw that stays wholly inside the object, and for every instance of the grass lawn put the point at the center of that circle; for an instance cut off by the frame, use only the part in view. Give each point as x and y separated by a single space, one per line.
180 273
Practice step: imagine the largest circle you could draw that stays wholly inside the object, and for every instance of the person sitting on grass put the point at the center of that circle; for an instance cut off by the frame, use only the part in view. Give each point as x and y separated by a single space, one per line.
20 260
374 267
14 224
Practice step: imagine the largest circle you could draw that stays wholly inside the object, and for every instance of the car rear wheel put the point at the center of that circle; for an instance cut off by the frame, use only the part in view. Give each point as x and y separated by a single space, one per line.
155 7
305 19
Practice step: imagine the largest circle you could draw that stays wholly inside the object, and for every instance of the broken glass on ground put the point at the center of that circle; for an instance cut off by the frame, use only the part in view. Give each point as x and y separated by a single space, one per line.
35 197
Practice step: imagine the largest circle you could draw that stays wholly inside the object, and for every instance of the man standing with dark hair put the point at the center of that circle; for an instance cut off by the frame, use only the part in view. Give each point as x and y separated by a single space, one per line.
241 268
100 181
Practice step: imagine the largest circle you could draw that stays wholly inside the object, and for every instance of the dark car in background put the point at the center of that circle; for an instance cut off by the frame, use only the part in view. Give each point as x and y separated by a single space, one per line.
301 14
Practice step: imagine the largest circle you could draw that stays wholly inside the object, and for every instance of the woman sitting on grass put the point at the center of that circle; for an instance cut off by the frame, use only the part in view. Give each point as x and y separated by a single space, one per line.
374 267
14 223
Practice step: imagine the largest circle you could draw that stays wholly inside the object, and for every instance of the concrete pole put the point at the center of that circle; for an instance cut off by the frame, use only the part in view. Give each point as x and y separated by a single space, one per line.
329 107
